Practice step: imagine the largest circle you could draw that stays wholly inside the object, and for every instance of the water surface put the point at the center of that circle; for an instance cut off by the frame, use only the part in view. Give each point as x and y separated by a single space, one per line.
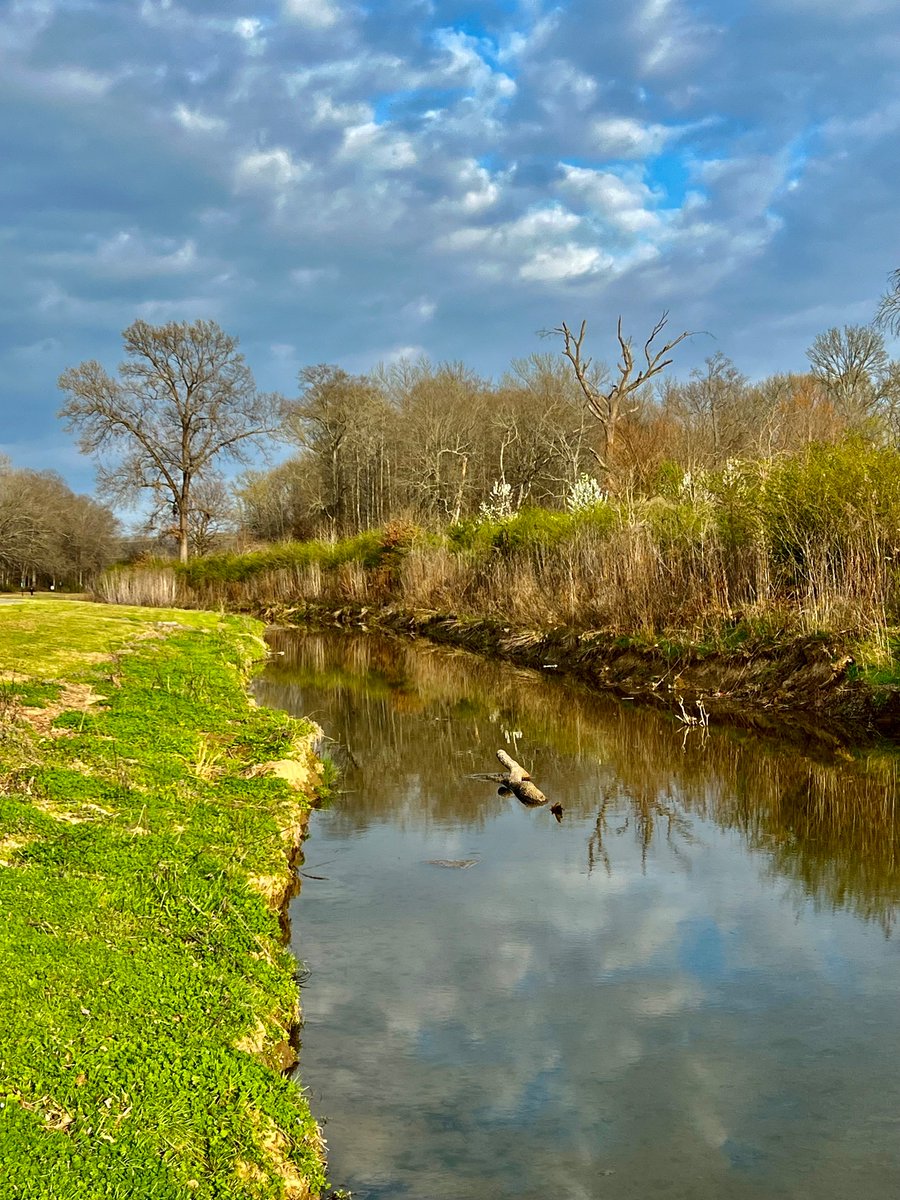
688 987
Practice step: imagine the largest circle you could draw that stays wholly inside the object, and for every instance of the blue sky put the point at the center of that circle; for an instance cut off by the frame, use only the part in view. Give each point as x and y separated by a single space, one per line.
346 182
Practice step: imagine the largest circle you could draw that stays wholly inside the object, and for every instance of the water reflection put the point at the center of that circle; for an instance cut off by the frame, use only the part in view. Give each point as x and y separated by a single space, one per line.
829 825
684 987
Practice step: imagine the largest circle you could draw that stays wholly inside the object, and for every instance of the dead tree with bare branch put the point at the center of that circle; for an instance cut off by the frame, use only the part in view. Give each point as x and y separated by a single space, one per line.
610 405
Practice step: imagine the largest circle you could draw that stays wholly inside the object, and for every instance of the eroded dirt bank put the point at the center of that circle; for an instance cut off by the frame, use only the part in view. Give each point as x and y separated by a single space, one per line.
806 687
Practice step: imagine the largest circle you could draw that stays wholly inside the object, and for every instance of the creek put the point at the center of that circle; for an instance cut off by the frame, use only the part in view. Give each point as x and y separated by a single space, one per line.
687 987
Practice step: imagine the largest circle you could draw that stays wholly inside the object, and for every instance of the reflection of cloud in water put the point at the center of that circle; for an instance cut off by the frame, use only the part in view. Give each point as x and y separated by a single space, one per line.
690 1024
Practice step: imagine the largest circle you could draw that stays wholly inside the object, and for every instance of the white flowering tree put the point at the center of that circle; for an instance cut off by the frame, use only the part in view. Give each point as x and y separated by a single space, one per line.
584 494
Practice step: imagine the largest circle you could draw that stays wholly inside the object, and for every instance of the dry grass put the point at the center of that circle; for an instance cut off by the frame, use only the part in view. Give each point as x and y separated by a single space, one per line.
633 578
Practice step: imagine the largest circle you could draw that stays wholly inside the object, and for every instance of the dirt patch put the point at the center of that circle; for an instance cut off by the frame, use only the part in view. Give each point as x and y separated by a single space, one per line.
9 848
275 1147
73 697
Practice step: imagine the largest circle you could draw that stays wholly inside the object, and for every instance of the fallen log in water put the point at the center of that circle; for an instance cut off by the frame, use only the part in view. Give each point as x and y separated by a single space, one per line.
518 781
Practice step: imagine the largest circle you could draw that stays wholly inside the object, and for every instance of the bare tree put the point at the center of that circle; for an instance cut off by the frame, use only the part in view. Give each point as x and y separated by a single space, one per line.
338 420
212 513
888 314
610 405
713 411
46 531
183 399
851 363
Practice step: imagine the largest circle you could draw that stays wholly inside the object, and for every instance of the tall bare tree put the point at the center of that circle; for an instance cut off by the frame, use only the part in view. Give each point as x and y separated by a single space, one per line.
184 398
336 421
851 363
713 411
610 404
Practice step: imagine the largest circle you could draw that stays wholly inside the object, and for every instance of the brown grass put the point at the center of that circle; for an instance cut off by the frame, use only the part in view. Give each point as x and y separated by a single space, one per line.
629 580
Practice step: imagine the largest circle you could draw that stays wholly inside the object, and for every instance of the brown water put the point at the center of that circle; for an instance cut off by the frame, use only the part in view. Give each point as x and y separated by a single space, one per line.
687 988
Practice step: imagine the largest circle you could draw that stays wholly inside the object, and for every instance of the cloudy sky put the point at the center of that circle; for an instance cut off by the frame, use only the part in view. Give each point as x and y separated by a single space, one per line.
351 182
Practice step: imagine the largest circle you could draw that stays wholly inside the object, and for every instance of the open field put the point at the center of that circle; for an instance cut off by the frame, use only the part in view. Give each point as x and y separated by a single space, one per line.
146 995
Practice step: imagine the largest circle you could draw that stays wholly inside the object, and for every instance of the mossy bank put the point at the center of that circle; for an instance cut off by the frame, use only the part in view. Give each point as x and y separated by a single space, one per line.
147 997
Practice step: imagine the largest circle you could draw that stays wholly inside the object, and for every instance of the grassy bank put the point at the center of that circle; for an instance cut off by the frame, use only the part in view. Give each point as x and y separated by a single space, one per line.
146 995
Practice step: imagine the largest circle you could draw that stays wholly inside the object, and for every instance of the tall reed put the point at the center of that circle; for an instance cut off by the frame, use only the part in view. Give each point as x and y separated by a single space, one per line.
807 543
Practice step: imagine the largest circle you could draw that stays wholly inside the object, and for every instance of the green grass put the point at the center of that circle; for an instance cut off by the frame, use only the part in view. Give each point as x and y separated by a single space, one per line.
369 548
878 660
137 953
49 639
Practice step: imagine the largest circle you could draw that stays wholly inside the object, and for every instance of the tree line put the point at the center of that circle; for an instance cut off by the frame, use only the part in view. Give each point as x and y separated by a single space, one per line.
48 534
433 444
436 444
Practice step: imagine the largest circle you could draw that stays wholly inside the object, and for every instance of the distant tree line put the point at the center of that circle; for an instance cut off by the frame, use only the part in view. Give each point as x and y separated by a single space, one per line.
48 534
433 444
437 443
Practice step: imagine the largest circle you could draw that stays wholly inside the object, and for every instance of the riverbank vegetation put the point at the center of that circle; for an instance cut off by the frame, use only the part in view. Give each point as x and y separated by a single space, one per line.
147 996
793 545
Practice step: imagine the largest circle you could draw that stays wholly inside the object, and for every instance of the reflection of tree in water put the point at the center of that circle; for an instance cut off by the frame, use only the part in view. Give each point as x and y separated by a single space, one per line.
650 813
832 829
403 709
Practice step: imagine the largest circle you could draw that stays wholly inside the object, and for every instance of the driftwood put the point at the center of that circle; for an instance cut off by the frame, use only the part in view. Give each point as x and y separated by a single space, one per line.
518 781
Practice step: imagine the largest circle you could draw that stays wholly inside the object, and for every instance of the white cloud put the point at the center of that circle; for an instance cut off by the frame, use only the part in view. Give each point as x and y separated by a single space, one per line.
128 254
479 190
881 120
376 146
197 122
626 204
402 354
671 36
521 44
626 137
542 245
319 14
463 240
466 64
274 170
565 87
543 222
476 200
569 261
248 28
309 276
327 111
420 310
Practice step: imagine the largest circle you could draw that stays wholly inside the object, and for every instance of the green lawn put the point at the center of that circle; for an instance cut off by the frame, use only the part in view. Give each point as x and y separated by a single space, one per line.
145 994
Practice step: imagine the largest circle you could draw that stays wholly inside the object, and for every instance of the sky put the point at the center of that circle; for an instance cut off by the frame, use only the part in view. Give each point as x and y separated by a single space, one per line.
353 183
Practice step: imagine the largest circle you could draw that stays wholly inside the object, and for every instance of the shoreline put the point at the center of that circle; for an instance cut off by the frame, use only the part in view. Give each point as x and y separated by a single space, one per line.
803 688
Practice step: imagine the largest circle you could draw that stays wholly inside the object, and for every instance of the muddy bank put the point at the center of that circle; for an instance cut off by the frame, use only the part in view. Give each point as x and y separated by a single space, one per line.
804 688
